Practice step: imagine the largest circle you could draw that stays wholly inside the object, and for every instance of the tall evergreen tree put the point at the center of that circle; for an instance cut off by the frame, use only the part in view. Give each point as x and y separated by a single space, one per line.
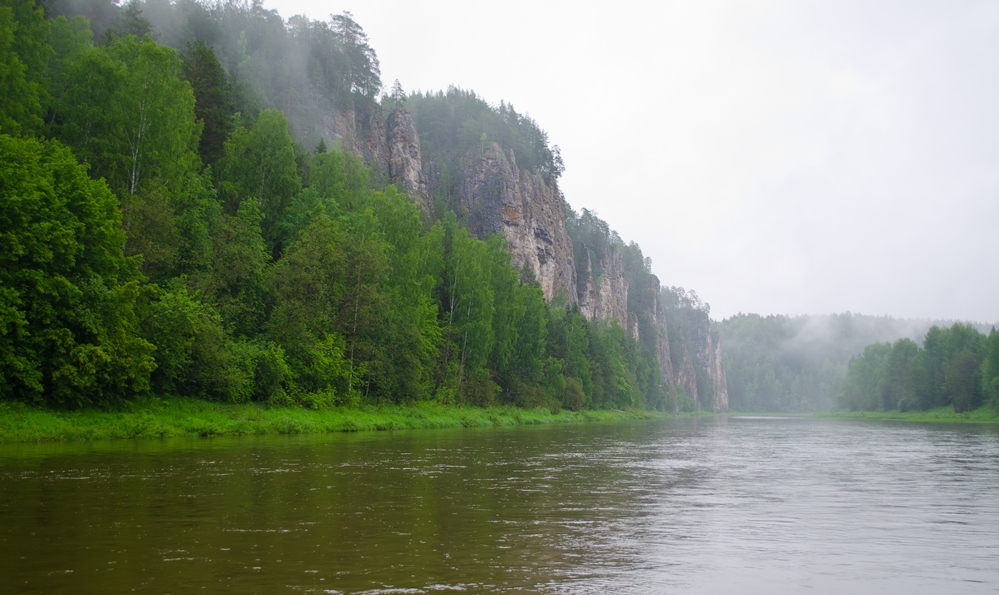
214 106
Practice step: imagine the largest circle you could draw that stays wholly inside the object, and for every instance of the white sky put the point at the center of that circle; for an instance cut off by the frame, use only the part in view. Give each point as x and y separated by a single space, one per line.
795 157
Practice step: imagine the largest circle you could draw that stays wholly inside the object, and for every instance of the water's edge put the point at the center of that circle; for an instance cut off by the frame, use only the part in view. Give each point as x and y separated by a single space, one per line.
181 417
156 418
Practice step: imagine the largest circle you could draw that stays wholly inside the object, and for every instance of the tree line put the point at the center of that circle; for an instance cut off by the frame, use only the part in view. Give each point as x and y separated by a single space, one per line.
954 367
163 232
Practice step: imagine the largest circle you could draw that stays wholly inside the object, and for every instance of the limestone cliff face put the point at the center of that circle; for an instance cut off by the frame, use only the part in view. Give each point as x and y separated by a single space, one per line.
607 295
497 197
361 134
658 316
686 377
392 146
717 375
702 352
405 163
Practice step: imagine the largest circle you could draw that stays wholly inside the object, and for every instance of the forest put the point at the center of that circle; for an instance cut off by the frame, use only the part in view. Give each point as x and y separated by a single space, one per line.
174 223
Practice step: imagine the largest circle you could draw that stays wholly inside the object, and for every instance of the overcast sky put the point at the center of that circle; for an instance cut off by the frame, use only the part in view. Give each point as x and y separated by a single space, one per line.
785 157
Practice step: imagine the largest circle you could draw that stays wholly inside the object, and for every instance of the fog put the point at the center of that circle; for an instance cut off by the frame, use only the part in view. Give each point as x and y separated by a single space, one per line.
777 157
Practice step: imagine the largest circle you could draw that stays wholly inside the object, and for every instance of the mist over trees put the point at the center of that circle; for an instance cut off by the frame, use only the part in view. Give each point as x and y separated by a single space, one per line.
821 363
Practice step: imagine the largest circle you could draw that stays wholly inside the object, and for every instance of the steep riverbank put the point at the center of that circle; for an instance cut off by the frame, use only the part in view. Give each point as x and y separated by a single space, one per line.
166 418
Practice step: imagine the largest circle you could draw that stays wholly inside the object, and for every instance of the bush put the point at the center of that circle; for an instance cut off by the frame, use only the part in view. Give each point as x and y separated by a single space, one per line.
573 398
478 390
687 404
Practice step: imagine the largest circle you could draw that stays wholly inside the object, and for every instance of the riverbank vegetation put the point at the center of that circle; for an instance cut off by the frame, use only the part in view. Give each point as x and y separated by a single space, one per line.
164 233
152 418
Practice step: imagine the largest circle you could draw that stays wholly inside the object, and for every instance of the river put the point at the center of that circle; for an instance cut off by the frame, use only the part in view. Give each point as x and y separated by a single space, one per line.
702 505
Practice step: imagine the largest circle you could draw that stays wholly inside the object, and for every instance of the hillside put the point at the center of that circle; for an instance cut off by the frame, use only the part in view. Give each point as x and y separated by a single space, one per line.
291 232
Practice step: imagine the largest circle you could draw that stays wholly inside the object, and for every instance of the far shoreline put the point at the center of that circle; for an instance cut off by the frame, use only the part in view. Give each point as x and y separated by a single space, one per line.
982 415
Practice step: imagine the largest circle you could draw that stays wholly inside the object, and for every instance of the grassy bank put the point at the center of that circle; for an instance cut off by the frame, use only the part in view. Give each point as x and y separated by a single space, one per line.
984 414
165 418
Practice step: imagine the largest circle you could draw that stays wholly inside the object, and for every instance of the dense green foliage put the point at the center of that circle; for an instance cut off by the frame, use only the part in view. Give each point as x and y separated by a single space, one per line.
302 67
67 316
777 363
171 237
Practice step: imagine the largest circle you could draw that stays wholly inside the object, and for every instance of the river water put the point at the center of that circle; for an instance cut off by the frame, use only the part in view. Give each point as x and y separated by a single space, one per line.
705 505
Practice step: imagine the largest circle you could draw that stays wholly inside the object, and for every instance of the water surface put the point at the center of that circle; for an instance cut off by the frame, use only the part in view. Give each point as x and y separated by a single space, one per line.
713 505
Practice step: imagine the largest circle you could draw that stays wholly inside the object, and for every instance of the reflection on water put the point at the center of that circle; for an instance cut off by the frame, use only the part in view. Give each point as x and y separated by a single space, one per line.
694 506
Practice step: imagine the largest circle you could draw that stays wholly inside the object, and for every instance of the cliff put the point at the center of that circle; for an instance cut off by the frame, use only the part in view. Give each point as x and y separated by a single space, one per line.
605 296
359 132
660 326
405 162
697 353
391 146
494 195
717 374
497 197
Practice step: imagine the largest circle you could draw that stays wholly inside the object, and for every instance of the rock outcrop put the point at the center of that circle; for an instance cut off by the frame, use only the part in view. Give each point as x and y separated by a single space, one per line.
686 377
606 294
497 197
405 163
362 134
716 372
658 316
701 373
392 146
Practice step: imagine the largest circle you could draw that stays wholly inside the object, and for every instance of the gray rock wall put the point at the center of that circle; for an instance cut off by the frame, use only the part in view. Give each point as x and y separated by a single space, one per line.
497 197
405 162
606 296
717 375
362 134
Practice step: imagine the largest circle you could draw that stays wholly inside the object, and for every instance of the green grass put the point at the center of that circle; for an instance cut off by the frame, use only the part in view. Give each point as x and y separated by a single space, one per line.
984 414
175 417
